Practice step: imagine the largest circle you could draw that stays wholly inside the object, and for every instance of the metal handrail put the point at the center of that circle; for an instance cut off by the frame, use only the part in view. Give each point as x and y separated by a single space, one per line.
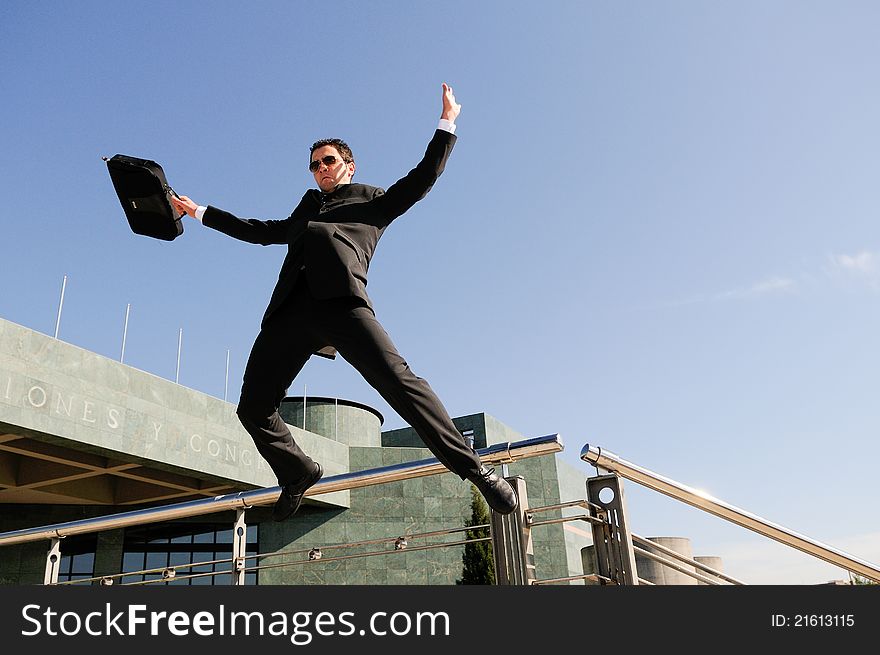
565 519
338 558
592 577
584 503
498 454
601 458
372 542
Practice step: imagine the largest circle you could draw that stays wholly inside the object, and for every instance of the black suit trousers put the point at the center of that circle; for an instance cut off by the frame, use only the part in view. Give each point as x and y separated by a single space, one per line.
301 326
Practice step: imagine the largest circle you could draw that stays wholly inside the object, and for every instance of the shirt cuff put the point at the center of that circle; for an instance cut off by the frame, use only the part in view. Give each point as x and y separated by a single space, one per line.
200 211
446 126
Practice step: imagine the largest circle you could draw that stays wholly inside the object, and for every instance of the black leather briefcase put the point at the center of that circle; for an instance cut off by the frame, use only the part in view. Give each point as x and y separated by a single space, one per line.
145 197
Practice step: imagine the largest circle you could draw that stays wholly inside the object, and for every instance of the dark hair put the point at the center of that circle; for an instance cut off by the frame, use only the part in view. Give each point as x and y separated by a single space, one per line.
340 145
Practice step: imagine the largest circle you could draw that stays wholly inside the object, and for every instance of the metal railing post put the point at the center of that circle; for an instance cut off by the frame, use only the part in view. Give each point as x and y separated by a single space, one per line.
53 562
612 542
512 547
239 547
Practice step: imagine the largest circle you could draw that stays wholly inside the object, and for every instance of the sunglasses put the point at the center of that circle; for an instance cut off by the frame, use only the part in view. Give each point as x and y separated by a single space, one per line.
329 160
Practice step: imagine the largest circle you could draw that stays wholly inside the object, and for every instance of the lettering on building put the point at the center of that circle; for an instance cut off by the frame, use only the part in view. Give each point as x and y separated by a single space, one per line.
150 432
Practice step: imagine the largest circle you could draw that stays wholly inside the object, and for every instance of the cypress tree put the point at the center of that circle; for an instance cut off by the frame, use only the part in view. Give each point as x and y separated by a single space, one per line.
478 562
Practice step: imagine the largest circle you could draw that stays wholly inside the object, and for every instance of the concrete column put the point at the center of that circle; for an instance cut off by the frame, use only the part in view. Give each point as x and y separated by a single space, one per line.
659 574
714 562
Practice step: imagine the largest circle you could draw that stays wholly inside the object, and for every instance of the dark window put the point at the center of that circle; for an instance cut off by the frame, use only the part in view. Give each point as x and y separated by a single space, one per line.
77 558
177 545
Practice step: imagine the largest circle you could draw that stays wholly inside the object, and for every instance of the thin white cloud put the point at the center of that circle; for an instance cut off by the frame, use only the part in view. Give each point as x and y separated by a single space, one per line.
861 268
772 285
762 288
864 263
864 267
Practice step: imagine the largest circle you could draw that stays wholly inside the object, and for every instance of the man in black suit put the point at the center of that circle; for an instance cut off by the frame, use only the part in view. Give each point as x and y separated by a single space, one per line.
320 305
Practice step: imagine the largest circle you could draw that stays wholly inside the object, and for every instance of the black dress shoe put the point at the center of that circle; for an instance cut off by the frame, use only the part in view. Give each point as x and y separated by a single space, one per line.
496 490
292 494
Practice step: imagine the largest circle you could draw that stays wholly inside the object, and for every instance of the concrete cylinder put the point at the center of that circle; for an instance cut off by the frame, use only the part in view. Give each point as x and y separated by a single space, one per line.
345 421
660 574
711 561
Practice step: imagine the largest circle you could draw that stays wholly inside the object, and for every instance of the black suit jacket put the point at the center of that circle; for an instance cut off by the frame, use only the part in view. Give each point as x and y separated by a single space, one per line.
334 235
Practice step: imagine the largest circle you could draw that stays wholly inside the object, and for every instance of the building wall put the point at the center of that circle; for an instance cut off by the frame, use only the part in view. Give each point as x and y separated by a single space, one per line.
25 563
549 481
577 534
472 424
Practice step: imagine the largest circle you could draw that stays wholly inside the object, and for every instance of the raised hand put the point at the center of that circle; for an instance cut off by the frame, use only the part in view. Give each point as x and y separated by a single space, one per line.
451 109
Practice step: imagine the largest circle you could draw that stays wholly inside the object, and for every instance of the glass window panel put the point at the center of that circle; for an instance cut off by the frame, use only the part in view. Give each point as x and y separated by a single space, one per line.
175 559
156 560
204 537
133 561
224 536
201 557
83 563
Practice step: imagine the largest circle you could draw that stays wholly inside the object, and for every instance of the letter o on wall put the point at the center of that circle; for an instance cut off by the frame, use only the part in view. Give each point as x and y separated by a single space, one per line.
30 396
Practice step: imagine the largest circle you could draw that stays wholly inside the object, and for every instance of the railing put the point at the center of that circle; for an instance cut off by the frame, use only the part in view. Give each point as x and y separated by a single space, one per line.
323 553
614 545
601 458
497 454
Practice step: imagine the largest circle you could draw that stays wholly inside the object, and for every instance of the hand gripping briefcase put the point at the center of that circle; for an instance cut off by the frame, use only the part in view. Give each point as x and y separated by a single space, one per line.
145 197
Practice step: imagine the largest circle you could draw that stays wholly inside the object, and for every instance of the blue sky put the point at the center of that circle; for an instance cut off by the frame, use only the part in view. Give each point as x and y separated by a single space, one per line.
658 232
